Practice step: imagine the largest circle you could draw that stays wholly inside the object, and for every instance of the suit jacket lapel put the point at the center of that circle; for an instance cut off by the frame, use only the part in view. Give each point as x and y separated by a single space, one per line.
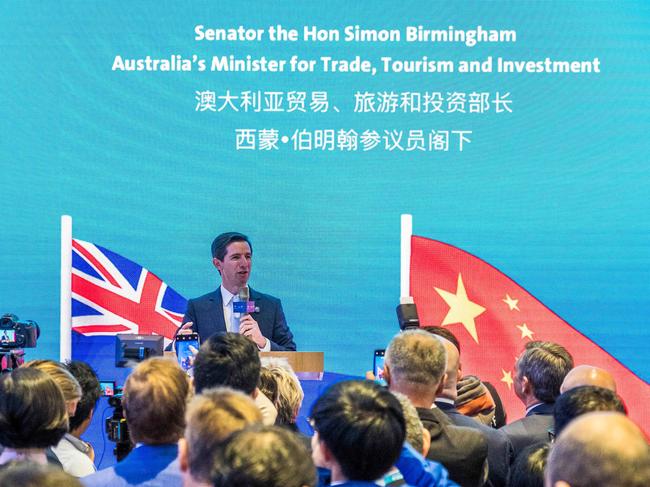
217 300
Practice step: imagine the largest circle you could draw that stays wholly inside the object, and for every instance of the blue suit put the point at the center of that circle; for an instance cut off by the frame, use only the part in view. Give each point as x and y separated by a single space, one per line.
145 466
206 312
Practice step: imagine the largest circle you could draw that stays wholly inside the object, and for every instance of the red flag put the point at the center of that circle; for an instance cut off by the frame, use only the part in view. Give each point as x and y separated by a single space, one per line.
493 318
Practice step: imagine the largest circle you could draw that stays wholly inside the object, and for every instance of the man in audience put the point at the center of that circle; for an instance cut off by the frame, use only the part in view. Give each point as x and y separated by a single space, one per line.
499 447
267 456
528 469
211 417
76 455
588 375
474 398
581 400
415 366
359 432
155 395
599 449
232 360
539 372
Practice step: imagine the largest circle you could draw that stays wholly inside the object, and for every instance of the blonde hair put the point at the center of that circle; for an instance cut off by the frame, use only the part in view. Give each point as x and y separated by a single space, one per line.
280 384
155 398
64 379
211 418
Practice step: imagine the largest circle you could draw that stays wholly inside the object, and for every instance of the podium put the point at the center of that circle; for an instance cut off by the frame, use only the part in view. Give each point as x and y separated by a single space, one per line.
306 365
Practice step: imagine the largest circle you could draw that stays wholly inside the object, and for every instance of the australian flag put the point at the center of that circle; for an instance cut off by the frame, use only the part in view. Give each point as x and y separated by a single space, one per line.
111 295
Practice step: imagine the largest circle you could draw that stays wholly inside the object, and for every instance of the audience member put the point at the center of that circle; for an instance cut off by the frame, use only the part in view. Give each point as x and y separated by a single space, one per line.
264 456
588 375
71 393
30 474
528 469
415 366
232 360
599 449
211 417
499 447
479 400
63 378
76 455
539 372
155 396
32 415
581 400
284 391
359 430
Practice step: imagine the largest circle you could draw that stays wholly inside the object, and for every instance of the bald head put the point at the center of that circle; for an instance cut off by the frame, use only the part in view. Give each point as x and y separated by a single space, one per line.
601 448
588 375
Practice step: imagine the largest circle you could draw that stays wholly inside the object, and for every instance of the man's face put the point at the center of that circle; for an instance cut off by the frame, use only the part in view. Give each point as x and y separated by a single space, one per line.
235 268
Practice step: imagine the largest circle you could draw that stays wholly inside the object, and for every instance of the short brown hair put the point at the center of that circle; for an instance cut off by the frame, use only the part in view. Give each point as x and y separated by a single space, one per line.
211 417
155 397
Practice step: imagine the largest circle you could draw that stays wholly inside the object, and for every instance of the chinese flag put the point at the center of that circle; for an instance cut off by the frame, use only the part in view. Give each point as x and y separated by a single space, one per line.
493 318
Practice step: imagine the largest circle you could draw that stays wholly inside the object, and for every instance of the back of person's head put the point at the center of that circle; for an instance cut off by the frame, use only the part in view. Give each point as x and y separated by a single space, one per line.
286 393
545 364
588 375
601 448
32 410
416 357
444 332
528 469
155 397
90 392
581 400
63 378
362 425
264 456
30 474
211 417
227 359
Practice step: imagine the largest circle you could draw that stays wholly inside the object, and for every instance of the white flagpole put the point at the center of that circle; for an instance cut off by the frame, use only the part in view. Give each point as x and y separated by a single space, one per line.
405 257
65 350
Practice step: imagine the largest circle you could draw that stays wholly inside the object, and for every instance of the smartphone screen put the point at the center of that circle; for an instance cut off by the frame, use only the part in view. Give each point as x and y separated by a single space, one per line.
108 387
378 367
186 347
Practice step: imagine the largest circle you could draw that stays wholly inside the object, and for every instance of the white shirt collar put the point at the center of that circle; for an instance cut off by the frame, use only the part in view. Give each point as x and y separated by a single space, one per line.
226 296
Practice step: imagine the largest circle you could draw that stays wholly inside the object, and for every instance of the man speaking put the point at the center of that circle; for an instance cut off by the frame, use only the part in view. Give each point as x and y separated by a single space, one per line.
234 306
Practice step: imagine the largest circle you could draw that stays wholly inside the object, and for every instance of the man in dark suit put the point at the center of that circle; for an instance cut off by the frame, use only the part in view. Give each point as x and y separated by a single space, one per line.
415 366
499 447
539 372
211 313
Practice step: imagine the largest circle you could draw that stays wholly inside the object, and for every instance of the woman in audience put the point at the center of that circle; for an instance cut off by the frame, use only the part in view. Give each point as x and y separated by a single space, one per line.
280 384
32 415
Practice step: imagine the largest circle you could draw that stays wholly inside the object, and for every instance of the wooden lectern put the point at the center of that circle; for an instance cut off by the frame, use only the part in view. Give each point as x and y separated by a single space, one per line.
306 365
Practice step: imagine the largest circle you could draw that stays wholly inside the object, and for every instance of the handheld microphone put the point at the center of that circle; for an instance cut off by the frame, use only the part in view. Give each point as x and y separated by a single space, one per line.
244 306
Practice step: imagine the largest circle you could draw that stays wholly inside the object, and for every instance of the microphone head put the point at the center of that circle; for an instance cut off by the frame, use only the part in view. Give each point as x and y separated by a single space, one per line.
244 294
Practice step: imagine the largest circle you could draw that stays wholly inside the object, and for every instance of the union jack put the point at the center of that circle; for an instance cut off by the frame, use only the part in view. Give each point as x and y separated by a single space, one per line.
112 294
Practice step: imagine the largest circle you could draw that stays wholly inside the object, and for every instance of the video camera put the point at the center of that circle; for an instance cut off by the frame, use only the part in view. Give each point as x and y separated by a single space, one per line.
14 336
17 334
116 428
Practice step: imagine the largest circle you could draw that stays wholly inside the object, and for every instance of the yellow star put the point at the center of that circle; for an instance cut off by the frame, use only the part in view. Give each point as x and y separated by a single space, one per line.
461 309
507 378
525 332
512 303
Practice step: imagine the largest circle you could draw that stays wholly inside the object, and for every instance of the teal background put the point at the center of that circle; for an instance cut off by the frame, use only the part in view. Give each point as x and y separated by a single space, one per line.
555 194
